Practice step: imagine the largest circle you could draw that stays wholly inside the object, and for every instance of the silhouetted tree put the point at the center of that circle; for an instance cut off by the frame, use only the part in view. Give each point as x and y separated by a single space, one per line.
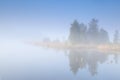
74 36
93 31
116 37
79 34
83 31
103 36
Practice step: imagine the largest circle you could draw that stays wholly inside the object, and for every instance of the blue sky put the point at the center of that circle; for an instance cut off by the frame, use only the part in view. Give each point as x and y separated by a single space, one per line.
34 19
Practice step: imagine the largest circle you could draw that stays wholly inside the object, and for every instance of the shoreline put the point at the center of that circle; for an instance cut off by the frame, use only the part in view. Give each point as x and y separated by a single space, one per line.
64 46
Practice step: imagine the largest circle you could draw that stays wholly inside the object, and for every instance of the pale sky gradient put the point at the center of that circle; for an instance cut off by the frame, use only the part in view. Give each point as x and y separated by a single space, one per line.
35 19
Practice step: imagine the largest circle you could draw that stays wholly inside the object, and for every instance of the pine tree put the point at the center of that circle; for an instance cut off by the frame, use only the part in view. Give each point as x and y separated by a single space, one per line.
116 37
103 36
74 36
93 31
83 31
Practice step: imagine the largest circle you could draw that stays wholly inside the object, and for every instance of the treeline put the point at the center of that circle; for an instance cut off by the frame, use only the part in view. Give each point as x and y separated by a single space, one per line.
80 33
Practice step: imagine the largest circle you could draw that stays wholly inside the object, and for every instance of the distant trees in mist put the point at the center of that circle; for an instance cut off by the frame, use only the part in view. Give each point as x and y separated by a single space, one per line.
116 37
91 34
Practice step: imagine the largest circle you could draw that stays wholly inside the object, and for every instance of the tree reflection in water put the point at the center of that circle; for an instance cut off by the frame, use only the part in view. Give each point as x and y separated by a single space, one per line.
84 59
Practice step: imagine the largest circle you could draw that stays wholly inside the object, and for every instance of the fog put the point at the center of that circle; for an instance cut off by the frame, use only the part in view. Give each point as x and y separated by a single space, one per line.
59 40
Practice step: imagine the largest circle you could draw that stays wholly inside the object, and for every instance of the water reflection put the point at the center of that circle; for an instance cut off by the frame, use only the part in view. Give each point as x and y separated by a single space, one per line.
47 65
88 59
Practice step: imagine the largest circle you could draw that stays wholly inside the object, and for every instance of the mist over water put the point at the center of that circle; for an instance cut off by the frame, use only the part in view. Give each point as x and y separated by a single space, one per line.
59 40
28 62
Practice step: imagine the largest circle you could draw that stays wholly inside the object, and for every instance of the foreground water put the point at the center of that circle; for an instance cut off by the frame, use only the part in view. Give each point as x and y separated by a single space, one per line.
21 61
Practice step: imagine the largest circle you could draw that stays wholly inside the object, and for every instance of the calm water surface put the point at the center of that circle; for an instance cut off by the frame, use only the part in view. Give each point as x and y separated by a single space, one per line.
27 62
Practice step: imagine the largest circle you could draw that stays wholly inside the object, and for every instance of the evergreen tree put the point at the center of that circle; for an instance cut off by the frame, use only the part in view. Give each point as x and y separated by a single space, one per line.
74 36
103 36
80 35
83 31
93 31
116 37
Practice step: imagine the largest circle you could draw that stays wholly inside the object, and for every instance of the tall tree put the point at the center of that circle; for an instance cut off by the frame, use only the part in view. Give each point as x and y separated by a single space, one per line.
74 36
116 37
83 31
103 36
93 31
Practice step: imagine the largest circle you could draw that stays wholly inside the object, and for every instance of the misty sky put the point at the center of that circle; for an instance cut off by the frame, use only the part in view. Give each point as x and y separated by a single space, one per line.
35 19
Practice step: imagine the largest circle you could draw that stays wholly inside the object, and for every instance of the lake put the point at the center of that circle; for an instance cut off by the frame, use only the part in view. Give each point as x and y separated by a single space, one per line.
19 61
